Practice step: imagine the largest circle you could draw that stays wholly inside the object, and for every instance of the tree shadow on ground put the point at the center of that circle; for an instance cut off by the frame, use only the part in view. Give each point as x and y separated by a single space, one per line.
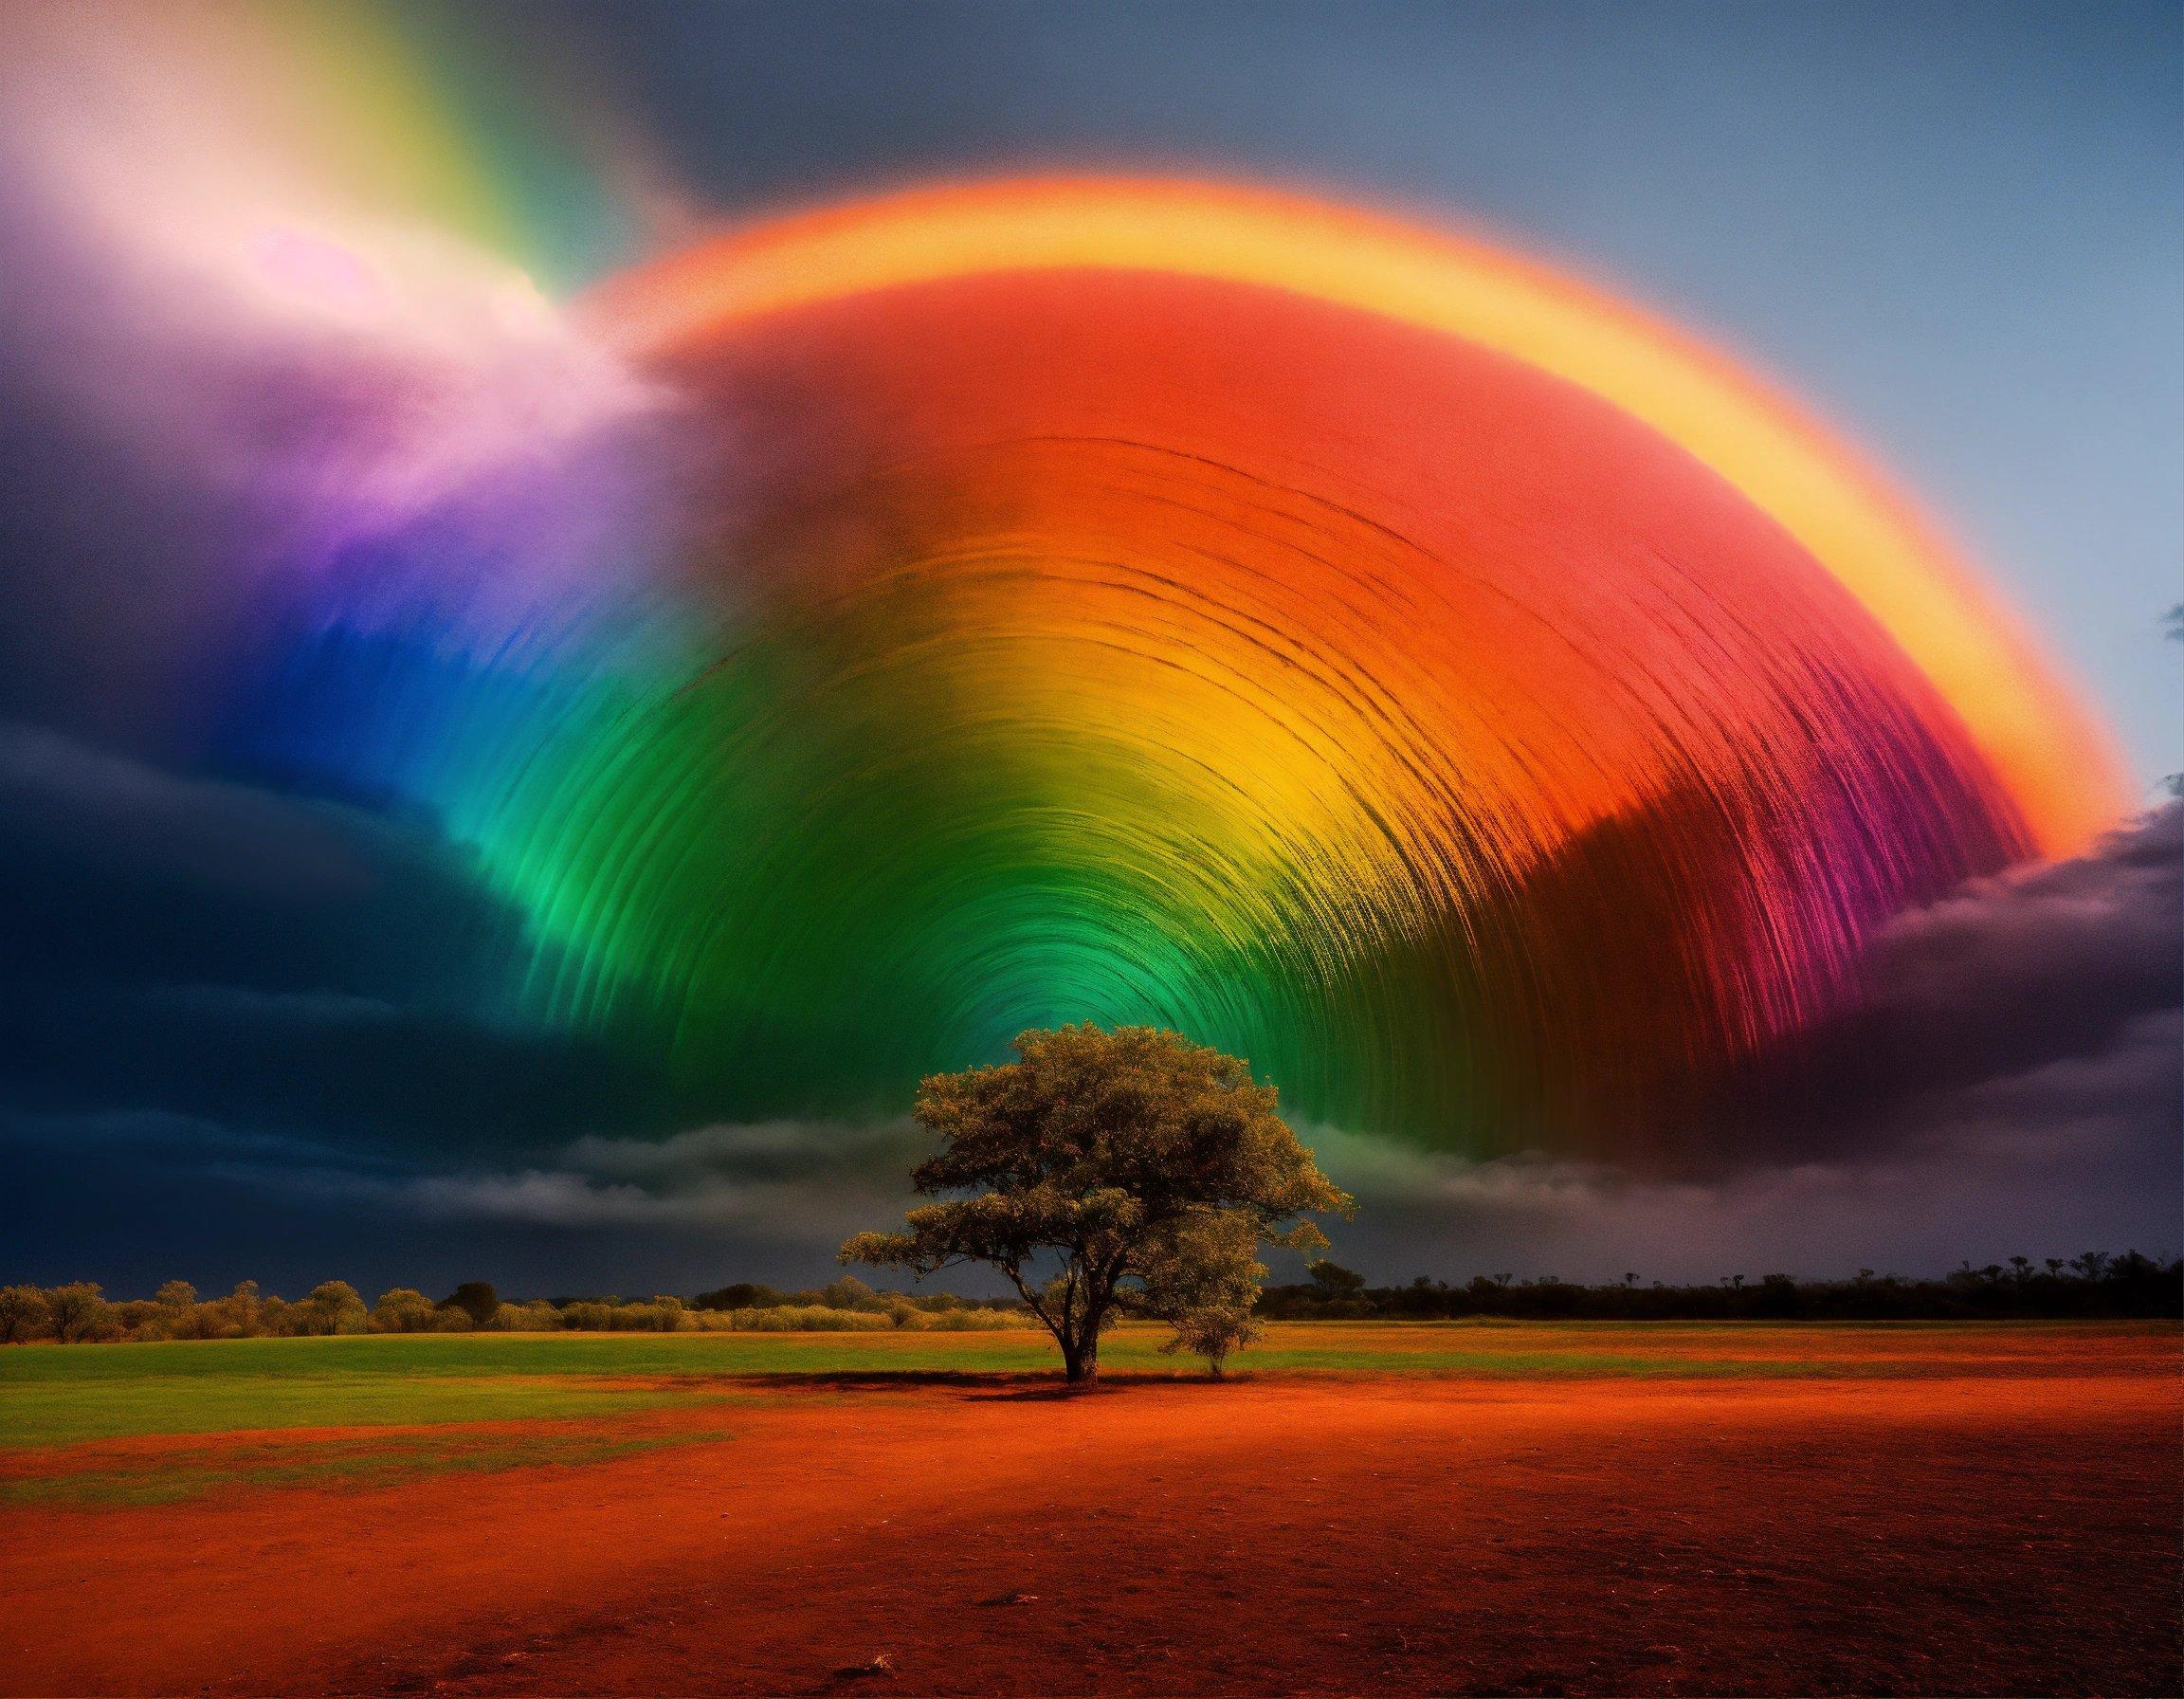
1026 1385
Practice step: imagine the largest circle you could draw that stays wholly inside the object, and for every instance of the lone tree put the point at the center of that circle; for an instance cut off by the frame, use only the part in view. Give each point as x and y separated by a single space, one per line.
1146 1166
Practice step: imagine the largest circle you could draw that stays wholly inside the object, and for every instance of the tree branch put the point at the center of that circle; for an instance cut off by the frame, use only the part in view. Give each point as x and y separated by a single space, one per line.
1031 1298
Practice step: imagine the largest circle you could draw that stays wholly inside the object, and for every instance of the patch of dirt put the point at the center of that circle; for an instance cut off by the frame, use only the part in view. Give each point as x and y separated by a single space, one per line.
1982 1535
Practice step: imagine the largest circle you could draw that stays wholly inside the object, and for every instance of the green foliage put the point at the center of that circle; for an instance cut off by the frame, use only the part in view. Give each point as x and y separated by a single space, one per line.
2095 1283
78 1312
476 1298
27 1314
597 1315
24 1313
403 1310
848 1293
1334 1279
1189 1293
797 1318
1203 1281
334 1306
1109 1154
743 1295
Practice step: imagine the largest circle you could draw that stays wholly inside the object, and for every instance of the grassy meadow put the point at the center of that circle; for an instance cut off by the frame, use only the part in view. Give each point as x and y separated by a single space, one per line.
59 1396
158 1422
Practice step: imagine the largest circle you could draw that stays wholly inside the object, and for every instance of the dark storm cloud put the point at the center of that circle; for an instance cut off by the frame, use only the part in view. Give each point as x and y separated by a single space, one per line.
2012 1082
2032 1005
808 1182
1981 1188
199 948
156 1137
76 812
693 1210
248 1034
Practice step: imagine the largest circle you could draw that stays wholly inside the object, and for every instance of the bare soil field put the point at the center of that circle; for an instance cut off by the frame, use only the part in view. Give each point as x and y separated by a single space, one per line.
1987 1509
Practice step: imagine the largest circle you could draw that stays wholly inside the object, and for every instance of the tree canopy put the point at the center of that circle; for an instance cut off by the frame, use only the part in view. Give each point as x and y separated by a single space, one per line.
1108 1174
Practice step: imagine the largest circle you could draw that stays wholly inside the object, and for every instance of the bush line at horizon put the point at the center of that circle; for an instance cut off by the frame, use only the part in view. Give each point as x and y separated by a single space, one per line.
2096 1283
81 1313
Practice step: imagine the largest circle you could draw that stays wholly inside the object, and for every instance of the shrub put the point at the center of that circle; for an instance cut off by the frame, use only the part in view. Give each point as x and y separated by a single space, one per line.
142 1318
403 1310
968 1320
193 1321
601 1315
1214 1332
803 1318
741 1296
849 1293
662 1315
77 1313
476 1298
24 1313
334 1306
239 1311
535 1317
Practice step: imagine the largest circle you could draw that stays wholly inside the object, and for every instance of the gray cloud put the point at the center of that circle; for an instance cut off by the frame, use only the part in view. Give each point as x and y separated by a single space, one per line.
784 1152
105 812
202 948
815 1182
2012 1081
1981 1187
2019 1005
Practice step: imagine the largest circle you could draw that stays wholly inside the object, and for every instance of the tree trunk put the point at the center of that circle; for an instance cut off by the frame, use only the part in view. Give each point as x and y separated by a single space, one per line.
1078 1334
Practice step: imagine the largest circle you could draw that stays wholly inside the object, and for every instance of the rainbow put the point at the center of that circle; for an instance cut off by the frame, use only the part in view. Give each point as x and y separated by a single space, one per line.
1492 713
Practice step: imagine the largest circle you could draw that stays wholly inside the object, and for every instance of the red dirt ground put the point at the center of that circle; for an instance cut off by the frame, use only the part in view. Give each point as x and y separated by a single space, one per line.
1989 1535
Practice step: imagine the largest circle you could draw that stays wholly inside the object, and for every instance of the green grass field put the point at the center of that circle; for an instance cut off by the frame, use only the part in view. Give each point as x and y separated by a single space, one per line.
381 1460
57 1396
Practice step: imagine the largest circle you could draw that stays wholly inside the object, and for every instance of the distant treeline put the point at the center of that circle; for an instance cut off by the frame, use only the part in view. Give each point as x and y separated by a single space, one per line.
81 1313
2098 1284
2095 1285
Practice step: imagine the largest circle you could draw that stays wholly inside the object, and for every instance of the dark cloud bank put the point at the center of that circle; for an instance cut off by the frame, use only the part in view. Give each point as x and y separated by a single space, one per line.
2010 1081
241 1034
